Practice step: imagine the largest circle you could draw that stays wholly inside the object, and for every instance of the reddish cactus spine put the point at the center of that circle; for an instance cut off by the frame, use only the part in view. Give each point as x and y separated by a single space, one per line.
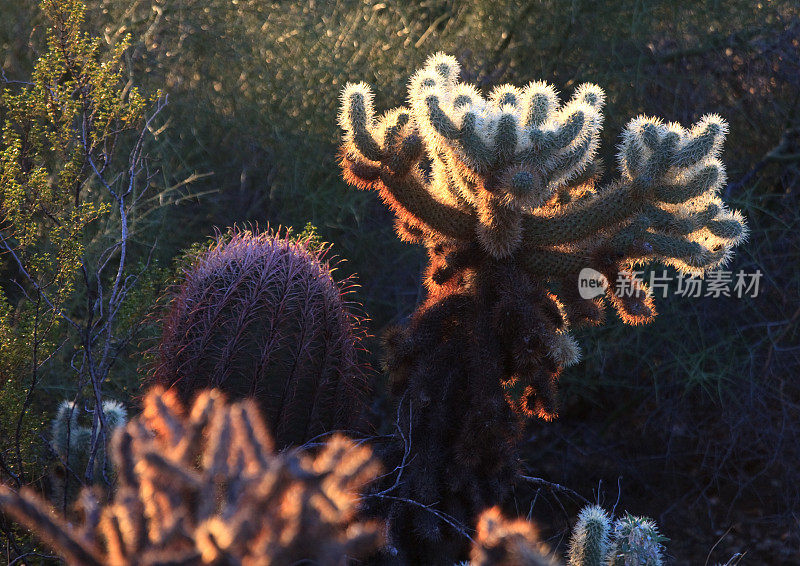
259 315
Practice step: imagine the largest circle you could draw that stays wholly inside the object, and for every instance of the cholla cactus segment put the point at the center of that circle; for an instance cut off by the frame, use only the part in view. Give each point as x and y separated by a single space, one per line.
508 542
504 192
637 542
207 488
590 542
512 179
506 157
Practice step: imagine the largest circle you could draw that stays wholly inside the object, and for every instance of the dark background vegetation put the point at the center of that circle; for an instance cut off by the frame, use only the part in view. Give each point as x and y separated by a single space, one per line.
693 420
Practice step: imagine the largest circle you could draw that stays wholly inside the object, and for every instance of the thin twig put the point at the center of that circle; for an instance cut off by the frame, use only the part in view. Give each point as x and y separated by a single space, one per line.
554 487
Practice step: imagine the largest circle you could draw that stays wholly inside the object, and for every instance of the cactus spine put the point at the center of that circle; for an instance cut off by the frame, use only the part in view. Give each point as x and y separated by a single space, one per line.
260 316
504 193
205 487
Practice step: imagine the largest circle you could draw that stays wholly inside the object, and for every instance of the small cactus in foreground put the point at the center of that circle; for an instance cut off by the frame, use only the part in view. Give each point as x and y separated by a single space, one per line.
259 315
637 542
630 541
207 488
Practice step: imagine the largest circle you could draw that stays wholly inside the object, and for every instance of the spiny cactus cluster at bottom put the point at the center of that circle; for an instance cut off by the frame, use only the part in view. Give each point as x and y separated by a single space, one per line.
207 488
628 541
595 541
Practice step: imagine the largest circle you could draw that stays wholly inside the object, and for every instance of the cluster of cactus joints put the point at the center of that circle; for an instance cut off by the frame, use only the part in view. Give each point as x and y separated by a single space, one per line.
628 541
513 177
504 193
259 315
595 541
207 488
72 443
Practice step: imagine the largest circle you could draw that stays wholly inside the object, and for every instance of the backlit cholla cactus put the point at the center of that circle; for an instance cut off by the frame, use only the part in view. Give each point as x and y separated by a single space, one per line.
72 443
512 179
504 193
207 488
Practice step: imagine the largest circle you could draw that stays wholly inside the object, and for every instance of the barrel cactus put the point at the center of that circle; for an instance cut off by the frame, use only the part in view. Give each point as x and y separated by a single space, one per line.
259 315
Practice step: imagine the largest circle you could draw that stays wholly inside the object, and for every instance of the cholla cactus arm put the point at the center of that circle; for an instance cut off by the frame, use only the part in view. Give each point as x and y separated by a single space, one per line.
65 428
384 155
115 415
590 542
26 507
72 443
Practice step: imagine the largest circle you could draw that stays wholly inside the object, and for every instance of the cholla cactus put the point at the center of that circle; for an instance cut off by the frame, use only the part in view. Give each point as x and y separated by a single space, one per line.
503 192
512 179
590 543
505 542
637 542
259 315
207 489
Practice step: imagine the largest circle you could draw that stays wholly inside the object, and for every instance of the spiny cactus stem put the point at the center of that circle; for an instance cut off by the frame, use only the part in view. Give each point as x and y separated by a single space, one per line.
669 246
362 138
613 206
409 193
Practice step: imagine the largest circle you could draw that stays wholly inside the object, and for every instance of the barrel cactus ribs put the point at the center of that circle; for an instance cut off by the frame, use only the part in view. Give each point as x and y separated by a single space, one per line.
505 195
